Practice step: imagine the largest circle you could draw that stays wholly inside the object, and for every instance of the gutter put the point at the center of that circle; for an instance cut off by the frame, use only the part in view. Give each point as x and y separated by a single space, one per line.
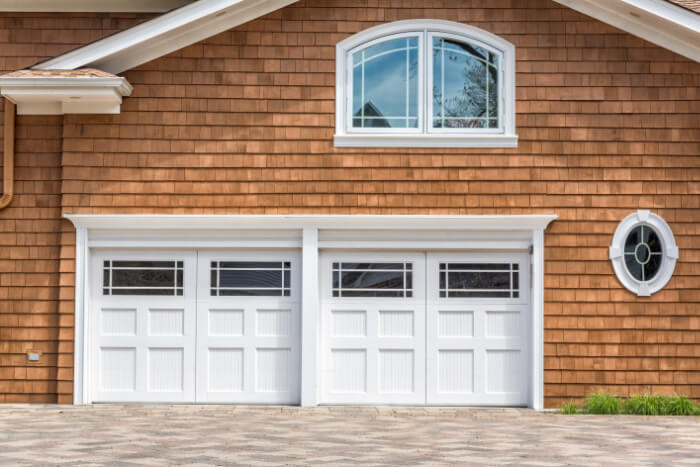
8 168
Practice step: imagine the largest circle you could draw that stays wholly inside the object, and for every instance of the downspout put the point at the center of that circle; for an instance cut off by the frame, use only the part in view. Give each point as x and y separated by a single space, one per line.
8 167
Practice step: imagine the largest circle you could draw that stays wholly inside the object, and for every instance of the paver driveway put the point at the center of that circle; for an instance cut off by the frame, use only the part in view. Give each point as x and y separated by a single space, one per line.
126 435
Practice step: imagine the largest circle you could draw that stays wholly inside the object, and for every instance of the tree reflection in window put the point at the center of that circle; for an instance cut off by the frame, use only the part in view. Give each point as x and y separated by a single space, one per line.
465 85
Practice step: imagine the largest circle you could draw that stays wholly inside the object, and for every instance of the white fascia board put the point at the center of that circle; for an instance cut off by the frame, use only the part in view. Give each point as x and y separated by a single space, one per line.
58 96
162 35
101 6
345 222
657 21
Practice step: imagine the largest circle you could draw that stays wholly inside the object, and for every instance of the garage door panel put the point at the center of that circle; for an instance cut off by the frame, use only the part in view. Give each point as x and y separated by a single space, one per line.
249 325
477 325
373 310
142 321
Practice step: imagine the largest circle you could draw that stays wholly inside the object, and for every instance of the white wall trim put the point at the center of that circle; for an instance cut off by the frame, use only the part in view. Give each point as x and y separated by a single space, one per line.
310 342
657 21
512 227
286 222
107 6
537 353
80 395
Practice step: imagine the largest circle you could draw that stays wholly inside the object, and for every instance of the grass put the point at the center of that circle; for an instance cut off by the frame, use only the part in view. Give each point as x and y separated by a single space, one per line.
568 408
645 404
603 403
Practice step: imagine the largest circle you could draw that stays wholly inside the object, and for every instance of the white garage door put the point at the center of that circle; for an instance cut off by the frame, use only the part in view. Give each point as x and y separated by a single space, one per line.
188 326
435 328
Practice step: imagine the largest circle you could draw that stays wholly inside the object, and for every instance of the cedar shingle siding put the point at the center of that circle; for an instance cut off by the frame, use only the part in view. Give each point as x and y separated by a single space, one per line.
243 123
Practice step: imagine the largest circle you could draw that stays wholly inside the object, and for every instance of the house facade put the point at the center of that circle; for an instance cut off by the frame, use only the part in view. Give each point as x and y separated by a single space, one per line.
330 202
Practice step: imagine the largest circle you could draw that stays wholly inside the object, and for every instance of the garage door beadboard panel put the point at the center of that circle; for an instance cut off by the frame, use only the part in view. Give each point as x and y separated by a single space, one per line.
248 326
373 327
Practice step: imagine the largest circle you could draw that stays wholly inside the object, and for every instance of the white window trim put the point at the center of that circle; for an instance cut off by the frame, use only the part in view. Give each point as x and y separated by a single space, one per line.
504 137
302 231
670 253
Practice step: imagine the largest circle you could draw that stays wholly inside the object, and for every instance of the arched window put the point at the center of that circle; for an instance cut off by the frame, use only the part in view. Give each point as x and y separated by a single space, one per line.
425 84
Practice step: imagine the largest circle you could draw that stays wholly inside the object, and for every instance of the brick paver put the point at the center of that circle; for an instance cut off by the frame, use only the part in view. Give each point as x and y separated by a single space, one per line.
140 435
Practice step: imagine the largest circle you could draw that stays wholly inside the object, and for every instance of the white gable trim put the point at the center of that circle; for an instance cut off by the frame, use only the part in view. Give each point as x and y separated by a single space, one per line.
55 6
163 35
657 21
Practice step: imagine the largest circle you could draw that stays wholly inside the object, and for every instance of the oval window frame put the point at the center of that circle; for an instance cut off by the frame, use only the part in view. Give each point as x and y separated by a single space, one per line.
669 253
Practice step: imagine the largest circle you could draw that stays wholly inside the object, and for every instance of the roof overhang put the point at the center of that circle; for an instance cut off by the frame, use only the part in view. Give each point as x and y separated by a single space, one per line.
42 95
166 33
56 6
657 21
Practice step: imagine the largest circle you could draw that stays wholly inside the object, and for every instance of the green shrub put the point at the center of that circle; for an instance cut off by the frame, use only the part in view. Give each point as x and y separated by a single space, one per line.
645 404
602 403
679 405
568 408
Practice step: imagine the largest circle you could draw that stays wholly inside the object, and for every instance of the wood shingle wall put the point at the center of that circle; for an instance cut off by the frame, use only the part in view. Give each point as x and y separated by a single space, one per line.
243 123
30 228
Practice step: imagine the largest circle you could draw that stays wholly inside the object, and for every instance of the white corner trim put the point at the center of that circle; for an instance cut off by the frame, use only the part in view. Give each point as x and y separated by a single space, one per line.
670 253
80 383
657 21
125 6
286 222
537 354
58 96
424 135
426 141
162 35
310 332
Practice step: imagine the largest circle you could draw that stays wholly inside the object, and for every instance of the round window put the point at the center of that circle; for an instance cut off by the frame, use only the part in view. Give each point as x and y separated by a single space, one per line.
643 253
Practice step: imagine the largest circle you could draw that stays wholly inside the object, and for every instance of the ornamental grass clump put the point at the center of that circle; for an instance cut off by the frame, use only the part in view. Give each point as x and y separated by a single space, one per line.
679 405
568 408
645 404
602 403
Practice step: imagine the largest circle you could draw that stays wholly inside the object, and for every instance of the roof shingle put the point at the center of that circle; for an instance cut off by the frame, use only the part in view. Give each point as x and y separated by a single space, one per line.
693 5
80 73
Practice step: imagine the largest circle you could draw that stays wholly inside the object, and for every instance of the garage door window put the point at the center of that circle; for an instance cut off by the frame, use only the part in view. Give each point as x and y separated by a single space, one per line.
143 278
372 279
250 278
479 280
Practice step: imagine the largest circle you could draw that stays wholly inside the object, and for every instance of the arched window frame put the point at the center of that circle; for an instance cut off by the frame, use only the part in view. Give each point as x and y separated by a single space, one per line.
424 136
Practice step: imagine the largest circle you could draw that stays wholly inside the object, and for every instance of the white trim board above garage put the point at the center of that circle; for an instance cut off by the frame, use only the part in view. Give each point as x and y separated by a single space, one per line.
656 21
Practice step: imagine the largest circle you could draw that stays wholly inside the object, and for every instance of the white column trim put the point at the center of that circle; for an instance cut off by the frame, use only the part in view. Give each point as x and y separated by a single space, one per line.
309 318
80 388
537 394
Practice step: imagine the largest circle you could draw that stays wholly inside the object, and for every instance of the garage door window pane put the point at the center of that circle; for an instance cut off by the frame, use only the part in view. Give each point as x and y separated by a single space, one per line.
372 279
479 280
142 278
250 278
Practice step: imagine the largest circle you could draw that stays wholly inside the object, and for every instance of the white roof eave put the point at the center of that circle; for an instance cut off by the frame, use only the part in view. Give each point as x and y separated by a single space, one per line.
162 35
657 21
